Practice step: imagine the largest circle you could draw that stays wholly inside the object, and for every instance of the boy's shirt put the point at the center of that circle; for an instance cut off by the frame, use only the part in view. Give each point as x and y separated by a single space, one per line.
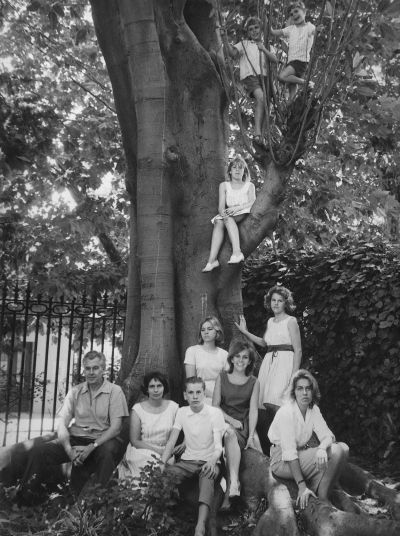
300 39
203 431
249 59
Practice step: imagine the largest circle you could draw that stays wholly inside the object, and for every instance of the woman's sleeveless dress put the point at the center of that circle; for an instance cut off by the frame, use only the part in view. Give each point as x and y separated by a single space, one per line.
277 367
155 430
235 402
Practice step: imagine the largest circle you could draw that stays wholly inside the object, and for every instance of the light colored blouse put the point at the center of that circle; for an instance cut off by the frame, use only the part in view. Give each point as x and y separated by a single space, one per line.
290 431
156 427
208 365
237 197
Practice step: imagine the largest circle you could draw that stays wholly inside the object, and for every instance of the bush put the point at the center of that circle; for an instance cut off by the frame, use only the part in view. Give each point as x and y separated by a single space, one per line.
348 308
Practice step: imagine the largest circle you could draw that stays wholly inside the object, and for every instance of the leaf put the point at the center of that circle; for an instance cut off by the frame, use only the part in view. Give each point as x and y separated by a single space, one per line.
34 6
365 91
393 9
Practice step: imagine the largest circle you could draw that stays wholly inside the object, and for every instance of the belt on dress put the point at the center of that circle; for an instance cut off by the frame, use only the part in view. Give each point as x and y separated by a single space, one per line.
276 347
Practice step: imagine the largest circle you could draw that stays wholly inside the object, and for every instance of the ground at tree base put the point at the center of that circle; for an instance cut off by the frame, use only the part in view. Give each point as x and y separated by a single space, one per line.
249 517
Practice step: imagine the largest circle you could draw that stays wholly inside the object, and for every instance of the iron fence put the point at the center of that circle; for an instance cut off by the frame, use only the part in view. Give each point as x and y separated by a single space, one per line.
42 342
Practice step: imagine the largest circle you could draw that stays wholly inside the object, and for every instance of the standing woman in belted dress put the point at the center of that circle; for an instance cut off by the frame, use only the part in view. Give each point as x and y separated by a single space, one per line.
283 356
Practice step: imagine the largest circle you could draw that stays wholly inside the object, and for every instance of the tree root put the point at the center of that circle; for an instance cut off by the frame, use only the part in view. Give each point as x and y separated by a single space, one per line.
357 481
319 518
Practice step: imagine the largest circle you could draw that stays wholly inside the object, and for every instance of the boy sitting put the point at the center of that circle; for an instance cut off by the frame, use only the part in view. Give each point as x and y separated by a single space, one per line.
203 427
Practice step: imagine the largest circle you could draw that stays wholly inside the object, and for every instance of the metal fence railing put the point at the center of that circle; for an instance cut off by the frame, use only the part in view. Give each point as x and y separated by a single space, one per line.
42 342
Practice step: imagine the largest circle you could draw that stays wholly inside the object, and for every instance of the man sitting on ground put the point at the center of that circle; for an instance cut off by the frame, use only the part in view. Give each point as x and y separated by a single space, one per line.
203 426
87 434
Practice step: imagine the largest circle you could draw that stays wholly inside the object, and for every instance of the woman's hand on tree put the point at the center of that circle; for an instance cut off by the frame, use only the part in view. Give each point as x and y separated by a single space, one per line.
321 458
242 326
303 495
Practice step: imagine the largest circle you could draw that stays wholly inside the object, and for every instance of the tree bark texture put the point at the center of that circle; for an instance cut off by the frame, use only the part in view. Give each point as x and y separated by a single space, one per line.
172 107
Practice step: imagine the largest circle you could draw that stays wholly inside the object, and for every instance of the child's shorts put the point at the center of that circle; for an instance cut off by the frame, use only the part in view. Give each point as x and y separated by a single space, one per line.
253 82
299 67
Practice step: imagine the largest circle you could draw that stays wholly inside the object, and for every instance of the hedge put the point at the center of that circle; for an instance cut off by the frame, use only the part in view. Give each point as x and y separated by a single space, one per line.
348 308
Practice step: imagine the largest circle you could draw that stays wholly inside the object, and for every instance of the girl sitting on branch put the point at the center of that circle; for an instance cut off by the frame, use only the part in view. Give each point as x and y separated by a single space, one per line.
236 197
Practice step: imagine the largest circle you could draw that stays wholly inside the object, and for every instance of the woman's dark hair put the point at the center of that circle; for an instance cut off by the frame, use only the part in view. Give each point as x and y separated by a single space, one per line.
155 375
237 346
246 174
216 324
303 374
286 295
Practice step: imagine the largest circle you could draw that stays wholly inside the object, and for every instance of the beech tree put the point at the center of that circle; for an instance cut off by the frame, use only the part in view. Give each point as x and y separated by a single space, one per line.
169 83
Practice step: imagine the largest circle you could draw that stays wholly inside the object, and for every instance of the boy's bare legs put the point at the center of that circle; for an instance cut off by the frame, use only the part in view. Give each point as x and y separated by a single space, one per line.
258 112
200 529
288 76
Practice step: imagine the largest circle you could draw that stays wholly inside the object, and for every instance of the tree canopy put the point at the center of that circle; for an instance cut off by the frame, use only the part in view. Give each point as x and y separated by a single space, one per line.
60 143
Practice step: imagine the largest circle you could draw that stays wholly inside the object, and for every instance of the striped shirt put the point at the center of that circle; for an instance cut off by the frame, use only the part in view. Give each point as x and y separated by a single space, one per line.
301 38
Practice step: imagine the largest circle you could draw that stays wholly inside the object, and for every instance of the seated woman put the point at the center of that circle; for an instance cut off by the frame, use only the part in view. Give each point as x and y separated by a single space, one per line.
315 469
206 359
236 393
235 199
150 426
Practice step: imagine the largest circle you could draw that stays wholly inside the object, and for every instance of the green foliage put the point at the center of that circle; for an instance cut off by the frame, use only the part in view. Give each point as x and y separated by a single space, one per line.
140 507
348 306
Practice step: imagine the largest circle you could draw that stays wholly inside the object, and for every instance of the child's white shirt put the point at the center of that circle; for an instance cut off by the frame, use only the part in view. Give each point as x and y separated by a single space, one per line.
300 39
203 431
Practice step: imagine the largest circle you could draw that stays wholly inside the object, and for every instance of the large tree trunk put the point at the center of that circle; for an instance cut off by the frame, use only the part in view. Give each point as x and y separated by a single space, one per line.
172 108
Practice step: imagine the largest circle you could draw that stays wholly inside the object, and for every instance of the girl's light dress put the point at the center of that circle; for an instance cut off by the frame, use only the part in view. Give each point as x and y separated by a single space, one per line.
277 366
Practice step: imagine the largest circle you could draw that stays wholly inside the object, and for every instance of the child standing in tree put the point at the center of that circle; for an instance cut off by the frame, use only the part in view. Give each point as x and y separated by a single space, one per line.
300 35
252 55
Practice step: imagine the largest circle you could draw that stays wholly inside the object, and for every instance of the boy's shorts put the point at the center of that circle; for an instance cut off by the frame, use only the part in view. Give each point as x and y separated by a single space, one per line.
299 67
253 82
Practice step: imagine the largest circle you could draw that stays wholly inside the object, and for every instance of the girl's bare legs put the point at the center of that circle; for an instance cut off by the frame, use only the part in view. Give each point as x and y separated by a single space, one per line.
233 456
233 233
216 240
337 457
216 243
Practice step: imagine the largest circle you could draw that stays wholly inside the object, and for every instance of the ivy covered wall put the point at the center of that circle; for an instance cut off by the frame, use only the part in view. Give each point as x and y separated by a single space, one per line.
348 307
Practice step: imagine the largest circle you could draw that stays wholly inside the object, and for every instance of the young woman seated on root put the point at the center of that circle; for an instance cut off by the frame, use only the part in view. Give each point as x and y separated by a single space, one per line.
236 392
236 197
314 468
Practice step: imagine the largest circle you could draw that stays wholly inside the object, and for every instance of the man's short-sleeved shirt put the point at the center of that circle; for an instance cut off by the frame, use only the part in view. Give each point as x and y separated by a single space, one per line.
200 430
90 415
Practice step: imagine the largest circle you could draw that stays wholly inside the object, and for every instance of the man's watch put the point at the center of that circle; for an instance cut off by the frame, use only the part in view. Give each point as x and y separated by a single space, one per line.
95 444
